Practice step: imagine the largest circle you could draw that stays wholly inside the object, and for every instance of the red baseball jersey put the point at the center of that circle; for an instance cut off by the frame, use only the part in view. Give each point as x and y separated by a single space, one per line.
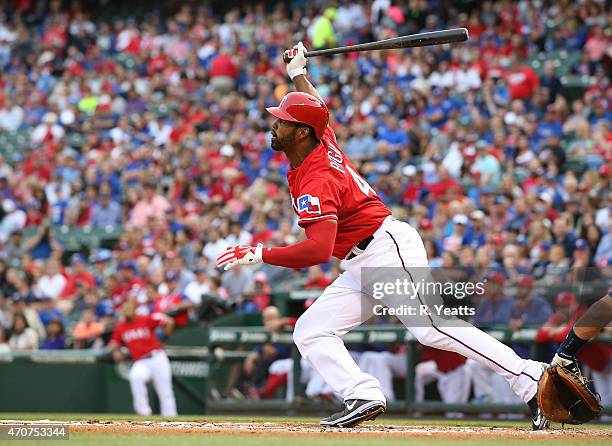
326 186
138 335
168 303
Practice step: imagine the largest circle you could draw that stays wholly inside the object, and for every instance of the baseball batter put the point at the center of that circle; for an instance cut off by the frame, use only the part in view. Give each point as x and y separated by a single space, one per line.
343 217
151 363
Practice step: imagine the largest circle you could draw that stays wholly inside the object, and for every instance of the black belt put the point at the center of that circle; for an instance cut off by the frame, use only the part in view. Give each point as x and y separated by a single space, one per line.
362 245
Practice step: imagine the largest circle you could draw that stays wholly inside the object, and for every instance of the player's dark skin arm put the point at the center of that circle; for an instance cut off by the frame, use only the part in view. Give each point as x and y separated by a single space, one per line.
302 84
594 319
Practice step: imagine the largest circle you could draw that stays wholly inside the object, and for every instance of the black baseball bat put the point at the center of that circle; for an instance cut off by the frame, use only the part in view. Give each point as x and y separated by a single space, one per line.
413 40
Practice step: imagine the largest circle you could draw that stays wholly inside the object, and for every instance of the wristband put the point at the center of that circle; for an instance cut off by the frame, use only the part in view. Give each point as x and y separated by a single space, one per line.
296 72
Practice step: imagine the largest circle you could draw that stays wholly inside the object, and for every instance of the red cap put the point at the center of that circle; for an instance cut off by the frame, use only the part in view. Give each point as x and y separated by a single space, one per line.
426 224
565 298
303 108
525 281
498 238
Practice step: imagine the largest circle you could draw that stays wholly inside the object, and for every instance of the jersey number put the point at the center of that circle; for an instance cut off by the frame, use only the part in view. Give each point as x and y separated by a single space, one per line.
361 183
335 157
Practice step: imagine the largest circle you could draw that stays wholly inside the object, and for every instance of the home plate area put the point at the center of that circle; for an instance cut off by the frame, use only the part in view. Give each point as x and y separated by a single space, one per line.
288 428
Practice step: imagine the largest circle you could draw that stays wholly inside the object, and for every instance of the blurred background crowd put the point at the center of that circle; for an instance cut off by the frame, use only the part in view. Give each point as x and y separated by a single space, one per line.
134 147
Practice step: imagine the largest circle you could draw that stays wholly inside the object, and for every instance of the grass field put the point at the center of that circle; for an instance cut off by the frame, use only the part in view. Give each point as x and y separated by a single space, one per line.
221 430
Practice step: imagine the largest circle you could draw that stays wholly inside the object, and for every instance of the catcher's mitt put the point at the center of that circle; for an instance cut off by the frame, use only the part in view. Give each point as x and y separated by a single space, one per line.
564 397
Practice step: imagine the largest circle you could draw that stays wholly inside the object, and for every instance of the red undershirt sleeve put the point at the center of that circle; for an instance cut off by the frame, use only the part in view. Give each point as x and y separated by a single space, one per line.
315 250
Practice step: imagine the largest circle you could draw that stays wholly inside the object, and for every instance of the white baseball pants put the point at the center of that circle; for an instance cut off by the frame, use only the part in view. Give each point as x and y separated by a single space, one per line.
318 332
156 368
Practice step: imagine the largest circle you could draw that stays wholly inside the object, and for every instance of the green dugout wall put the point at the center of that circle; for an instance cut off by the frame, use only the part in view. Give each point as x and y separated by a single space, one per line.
81 381
89 382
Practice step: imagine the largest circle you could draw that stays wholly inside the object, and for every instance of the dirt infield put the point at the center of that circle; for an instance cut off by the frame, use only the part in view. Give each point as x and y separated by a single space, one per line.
369 429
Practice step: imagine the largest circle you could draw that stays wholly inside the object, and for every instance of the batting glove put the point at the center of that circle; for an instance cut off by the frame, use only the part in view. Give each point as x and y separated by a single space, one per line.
240 255
298 61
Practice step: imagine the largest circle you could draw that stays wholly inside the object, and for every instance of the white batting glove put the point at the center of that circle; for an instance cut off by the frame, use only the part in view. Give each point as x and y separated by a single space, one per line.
240 255
297 65
559 361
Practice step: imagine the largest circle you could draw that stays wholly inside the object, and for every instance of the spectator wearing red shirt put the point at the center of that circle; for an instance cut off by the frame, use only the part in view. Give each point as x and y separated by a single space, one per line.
522 80
79 274
261 290
151 363
444 183
128 283
316 279
223 73
262 233
415 184
172 302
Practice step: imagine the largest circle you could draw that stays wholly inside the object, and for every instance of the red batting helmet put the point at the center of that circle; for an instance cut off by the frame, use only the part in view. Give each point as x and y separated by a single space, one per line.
303 108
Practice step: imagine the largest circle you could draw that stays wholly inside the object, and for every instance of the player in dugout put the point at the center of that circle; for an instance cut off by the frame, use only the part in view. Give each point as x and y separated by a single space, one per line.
343 217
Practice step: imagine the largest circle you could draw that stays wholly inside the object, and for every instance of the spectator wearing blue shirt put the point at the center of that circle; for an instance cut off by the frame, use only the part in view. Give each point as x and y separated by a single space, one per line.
361 145
529 310
49 312
551 81
476 236
436 112
55 339
70 171
563 235
519 214
600 112
106 212
538 267
109 177
550 127
391 133
495 309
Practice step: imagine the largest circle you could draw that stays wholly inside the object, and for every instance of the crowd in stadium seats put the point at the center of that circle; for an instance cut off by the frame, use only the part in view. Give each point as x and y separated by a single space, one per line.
133 148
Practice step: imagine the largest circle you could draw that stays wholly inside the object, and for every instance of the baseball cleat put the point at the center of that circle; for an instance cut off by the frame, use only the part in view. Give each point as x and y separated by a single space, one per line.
354 412
538 420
